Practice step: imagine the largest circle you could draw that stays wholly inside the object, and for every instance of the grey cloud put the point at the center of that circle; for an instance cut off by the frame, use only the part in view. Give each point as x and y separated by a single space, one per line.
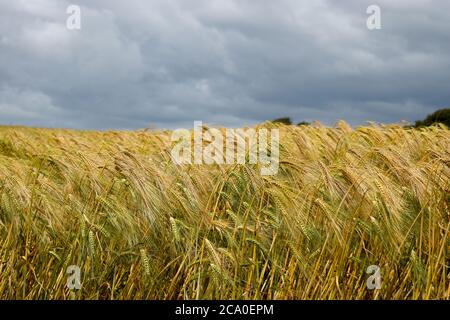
232 63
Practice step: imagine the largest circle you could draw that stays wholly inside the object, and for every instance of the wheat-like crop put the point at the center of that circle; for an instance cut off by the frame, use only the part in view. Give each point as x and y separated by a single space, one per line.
140 226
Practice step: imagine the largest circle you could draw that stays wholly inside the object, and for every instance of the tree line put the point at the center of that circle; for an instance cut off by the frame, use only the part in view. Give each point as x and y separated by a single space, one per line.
440 116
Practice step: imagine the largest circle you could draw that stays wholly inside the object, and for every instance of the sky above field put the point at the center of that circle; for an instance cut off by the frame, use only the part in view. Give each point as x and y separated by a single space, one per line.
140 63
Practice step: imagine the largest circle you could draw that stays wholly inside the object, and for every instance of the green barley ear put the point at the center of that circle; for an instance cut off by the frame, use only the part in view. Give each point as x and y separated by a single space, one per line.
213 253
418 269
102 230
6 204
381 190
91 242
83 227
234 217
145 261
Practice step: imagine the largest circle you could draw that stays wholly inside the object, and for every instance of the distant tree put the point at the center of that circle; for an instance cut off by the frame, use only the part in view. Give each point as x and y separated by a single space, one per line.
285 120
439 116
303 123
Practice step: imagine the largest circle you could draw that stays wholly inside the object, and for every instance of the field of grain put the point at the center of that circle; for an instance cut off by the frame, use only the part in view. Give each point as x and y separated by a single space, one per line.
141 227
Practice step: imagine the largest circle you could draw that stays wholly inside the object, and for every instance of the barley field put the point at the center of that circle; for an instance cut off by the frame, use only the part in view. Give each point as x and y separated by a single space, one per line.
141 227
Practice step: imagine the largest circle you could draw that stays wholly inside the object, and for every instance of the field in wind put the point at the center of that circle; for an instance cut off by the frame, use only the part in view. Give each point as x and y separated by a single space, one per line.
141 227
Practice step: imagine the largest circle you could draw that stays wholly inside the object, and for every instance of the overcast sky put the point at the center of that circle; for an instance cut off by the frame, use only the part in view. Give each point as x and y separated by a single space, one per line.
140 63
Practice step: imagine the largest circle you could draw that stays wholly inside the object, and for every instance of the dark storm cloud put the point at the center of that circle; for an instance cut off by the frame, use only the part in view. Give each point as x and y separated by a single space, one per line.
168 63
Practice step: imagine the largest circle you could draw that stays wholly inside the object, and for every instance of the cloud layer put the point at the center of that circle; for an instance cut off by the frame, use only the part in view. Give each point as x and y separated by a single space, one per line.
166 63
